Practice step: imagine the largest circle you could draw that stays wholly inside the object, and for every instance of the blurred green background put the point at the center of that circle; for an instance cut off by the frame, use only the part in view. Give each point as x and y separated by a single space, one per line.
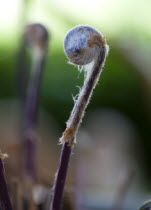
127 29
125 83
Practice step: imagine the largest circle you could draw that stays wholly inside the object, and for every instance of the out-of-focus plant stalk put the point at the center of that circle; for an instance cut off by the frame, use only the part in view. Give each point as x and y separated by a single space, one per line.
36 38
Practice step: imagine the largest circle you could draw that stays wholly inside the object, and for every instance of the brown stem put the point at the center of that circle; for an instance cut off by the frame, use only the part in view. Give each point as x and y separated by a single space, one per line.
73 123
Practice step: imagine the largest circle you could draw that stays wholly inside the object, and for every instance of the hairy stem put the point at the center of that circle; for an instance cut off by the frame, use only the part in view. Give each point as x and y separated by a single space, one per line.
73 123
86 91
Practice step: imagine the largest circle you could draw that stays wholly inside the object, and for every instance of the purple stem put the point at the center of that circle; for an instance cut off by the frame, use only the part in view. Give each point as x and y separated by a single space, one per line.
61 176
4 195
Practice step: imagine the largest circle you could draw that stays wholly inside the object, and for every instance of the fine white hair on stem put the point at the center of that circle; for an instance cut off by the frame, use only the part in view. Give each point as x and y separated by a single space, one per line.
80 68
75 98
85 47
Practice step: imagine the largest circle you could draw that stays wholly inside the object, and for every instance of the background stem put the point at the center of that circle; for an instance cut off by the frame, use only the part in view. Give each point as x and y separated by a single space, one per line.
31 114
